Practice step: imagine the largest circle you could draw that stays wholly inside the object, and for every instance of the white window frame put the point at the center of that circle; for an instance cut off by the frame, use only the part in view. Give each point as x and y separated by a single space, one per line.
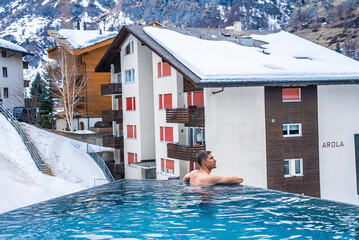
164 170
131 48
192 137
130 76
292 135
292 167
119 78
300 97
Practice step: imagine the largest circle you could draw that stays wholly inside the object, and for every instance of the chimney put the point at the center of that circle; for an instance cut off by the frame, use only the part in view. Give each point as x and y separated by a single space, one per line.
237 27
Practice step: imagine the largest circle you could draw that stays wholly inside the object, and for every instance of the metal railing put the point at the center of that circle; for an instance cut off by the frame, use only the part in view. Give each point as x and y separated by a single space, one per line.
101 163
13 121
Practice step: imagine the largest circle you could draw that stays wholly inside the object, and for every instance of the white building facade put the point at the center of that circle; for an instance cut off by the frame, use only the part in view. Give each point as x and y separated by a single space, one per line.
11 77
285 130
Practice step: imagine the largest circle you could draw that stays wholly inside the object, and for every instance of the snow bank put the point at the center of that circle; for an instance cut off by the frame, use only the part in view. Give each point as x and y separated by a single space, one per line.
22 184
286 56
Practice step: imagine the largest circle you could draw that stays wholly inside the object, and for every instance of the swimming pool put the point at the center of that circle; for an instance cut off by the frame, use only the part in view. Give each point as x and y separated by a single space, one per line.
150 209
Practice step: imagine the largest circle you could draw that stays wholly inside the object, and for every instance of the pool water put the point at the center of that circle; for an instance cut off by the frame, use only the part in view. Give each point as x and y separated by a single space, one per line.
150 209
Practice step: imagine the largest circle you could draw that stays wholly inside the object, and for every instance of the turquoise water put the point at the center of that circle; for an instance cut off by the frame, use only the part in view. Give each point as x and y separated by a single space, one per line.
150 209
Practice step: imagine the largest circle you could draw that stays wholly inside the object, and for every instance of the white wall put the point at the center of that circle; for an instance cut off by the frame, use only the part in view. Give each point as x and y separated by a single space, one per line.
235 132
14 82
166 85
338 119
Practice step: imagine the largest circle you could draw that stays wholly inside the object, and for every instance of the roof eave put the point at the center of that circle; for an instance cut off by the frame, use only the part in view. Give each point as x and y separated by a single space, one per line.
276 83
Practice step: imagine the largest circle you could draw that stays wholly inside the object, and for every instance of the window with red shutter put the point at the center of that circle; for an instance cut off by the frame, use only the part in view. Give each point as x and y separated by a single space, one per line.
165 101
193 166
166 69
130 158
291 95
161 134
159 68
195 99
163 69
167 166
129 131
169 134
120 104
130 103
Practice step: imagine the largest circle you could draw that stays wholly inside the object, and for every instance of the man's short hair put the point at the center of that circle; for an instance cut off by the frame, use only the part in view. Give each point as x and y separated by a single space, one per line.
202 155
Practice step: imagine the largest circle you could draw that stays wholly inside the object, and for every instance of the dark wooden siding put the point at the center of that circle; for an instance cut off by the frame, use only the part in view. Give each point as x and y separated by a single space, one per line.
305 147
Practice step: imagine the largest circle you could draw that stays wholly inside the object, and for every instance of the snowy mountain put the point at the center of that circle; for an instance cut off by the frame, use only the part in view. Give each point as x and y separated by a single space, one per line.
25 22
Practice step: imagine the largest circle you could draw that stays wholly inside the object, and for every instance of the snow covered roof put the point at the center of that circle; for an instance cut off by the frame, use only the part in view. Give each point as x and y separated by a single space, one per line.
9 46
80 39
219 57
282 56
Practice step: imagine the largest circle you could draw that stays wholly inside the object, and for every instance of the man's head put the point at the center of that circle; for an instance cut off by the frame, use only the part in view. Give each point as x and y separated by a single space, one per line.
205 158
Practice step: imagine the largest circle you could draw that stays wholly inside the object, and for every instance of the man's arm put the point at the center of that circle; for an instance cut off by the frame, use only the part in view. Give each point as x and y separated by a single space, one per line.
187 177
214 179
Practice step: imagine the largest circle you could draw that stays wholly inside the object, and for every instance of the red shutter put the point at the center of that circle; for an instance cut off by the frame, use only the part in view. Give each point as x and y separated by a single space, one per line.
121 126
160 101
169 134
135 131
198 99
168 101
160 69
170 164
120 104
136 157
130 157
129 131
161 134
291 94
166 69
134 103
122 156
189 99
162 163
128 104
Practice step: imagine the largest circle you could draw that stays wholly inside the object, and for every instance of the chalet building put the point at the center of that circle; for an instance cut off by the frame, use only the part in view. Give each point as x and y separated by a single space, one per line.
273 108
12 81
88 46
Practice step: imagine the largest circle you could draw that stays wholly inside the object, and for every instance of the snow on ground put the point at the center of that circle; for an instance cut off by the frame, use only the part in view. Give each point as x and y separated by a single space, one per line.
22 184
284 57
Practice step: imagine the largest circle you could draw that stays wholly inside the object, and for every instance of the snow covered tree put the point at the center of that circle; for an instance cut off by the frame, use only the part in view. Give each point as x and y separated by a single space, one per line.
69 82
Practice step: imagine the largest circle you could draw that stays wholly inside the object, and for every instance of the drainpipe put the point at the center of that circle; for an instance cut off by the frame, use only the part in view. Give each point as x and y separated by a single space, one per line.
218 91
87 111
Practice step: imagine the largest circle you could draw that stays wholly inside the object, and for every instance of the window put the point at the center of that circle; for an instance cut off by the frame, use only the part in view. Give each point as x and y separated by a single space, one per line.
130 104
291 95
166 134
3 54
165 101
195 99
4 71
131 157
119 78
167 166
119 103
196 136
130 75
6 92
193 166
129 48
164 69
131 131
292 130
293 167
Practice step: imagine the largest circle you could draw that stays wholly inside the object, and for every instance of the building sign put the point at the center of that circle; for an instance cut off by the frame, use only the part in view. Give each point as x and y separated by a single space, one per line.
334 144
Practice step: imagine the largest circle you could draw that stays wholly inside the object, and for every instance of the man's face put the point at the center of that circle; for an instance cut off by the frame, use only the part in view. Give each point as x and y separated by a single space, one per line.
211 162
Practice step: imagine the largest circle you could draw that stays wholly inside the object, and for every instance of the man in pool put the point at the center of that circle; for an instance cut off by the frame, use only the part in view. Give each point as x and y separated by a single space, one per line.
203 177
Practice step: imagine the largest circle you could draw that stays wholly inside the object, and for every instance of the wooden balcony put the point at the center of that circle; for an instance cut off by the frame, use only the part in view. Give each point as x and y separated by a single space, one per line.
183 152
112 141
112 115
191 117
111 89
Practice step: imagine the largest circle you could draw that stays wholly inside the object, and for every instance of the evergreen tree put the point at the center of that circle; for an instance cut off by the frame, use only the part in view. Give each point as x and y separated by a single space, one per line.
338 48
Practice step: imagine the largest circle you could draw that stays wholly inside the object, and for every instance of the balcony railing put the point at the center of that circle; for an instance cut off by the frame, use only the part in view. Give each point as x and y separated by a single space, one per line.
191 117
112 115
112 141
183 152
111 89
